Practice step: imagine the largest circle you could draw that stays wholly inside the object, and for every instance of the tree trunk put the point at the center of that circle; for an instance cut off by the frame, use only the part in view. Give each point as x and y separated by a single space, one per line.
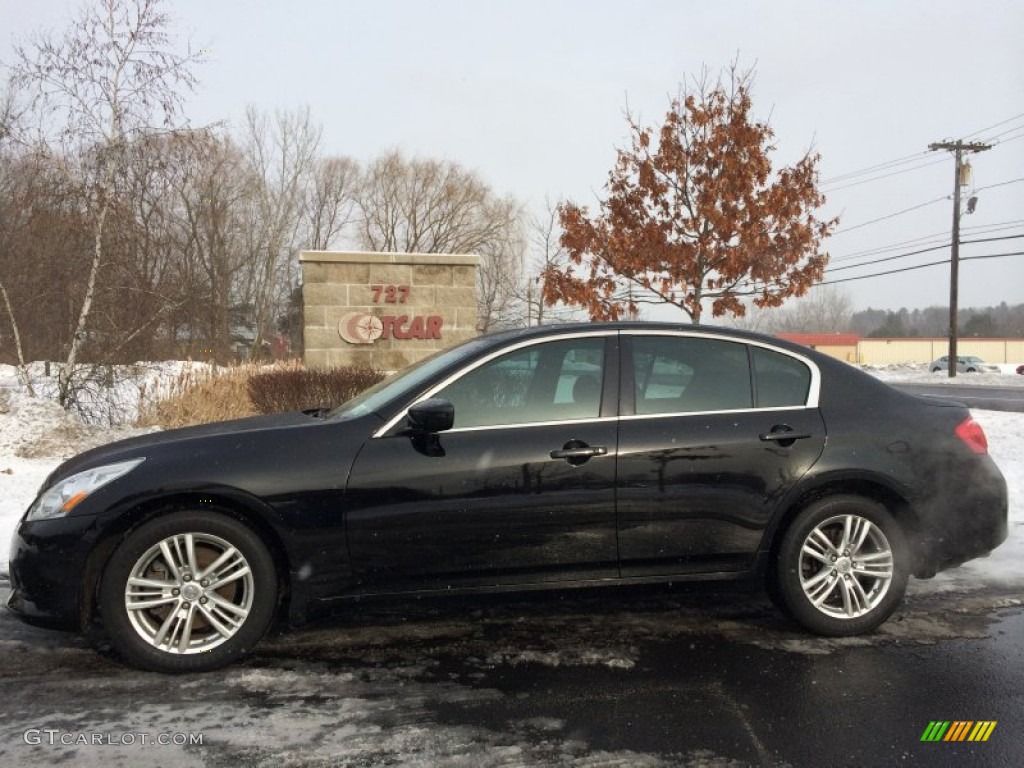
17 344
64 378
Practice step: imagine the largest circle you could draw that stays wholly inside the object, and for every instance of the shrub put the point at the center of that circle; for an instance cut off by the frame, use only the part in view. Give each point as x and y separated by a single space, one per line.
298 389
199 396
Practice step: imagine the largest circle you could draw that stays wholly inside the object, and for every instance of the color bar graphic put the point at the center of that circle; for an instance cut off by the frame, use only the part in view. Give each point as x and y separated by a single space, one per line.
958 730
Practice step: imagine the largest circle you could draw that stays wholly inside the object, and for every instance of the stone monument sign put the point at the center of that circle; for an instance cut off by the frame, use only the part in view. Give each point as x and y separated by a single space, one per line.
385 310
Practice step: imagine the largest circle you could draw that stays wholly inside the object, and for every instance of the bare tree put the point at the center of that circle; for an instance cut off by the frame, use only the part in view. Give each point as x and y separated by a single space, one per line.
548 253
22 369
429 206
213 189
433 206
500 276
281 154
7 228
330 201
111 78
823 309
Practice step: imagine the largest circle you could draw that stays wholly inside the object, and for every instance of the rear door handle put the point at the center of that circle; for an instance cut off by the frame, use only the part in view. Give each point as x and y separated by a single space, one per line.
579 453
783 436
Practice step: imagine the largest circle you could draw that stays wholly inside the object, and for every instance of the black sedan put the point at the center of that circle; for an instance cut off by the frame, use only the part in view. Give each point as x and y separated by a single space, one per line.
551 457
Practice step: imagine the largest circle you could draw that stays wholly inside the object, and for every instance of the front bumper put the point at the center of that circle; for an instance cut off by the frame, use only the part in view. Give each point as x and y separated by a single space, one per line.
47 565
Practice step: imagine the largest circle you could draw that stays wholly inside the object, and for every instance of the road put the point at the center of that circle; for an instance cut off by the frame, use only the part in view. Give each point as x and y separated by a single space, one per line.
984 398
706 677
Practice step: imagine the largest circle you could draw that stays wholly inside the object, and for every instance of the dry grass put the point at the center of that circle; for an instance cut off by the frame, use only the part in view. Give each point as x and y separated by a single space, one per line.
199 396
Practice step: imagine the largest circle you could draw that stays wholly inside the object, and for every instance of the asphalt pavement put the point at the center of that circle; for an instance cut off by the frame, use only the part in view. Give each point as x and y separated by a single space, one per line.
973 396
706 677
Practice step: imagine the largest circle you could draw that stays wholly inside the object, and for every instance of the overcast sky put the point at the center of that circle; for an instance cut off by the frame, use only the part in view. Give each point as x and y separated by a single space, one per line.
531 96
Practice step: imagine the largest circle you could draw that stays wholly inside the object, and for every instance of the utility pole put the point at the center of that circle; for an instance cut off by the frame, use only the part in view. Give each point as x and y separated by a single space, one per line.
958 148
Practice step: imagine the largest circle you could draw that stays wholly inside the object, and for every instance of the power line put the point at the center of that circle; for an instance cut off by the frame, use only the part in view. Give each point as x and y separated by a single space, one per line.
918 266
992 256
996 226
911 158
1002 122
1001 184
883 176
1000 142
924 250
875 168
922 205
923 241
753 290
890 216
999 135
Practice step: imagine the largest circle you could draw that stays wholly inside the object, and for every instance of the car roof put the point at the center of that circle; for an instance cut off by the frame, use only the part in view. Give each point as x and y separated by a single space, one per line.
555 329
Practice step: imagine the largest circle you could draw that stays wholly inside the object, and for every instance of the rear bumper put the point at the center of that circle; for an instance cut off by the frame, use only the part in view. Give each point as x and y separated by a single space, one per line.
969 525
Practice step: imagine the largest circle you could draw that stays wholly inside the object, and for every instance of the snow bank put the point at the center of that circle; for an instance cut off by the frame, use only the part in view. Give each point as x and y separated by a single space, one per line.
108 394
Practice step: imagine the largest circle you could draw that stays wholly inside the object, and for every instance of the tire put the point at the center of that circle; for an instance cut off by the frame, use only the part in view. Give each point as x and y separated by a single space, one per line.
972 370
936 370
830 592
209 626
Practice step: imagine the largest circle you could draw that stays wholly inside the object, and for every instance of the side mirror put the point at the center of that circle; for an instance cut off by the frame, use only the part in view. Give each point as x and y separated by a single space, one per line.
433 415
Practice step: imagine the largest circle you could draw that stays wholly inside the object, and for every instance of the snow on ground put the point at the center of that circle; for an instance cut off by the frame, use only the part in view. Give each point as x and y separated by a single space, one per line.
110 394
35 435
918 373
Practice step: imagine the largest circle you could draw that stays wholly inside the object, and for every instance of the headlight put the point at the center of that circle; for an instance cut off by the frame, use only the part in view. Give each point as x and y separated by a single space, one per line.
69 492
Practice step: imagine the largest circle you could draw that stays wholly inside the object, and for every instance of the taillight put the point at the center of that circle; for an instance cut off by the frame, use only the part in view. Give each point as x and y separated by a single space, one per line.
971 433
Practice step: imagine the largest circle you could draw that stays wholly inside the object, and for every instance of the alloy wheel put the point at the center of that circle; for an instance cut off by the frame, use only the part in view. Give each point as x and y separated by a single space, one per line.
846 566
189 593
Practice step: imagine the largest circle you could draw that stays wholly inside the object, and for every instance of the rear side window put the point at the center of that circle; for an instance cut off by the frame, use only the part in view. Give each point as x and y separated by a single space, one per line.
679 374
781 379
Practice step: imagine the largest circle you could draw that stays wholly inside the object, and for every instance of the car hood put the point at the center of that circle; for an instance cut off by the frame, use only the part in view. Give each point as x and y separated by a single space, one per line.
133 447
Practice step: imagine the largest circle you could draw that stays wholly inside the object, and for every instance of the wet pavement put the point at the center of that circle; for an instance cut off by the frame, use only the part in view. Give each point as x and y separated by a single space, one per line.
973 396
696 677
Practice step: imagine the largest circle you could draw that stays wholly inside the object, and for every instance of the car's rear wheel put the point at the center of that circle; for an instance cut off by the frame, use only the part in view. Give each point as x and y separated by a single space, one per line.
842 566
936 370
188 592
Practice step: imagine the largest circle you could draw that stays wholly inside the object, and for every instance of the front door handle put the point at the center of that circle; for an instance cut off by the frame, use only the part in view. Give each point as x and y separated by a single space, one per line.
577 452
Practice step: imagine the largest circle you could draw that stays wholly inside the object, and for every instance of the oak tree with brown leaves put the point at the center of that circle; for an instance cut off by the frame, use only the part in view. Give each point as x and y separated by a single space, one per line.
694 213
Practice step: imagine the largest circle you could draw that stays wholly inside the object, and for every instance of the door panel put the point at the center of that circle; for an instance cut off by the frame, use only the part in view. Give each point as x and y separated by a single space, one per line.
696 492
701 466
487 502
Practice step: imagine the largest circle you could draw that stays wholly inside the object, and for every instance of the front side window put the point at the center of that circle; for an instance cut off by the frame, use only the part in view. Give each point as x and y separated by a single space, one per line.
550 381
678 374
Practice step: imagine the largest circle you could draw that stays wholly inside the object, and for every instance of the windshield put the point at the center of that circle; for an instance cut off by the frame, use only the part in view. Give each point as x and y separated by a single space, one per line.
403 383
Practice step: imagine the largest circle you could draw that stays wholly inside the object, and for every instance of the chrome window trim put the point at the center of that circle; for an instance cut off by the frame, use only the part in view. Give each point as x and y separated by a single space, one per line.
677 414
813 391
486 359
523 425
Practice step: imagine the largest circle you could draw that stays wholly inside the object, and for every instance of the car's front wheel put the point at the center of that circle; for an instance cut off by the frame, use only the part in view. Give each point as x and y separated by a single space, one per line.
188 592
842 566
